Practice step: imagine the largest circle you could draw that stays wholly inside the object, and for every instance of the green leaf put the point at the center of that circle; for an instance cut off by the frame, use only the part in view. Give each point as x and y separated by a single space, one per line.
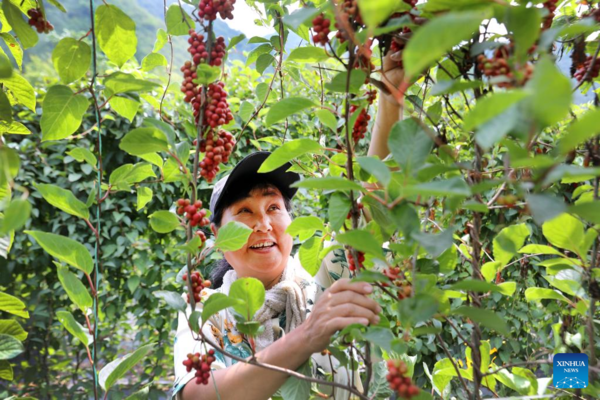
286 107
545 207
73 327
288 152
125 107
297 389
12 328
63 199
525 25
81 154
539 249
361 240
6 371
375 167
376 12
300 16
435 244
57 4
142 394
161 39
507 288
71 59
339 82
5 109
305 227
536 293
585 127
116 34
152 61
115 370
65 249
487 318
474 285
129 174
327 118
552 95
119 82
245 111
62 113
438 36
27 36
217 302
206 74
144 196
10 347
508 242
21 91
564 231
76 291
328 183
490 107
251 292
448 187
164 221
308 54
178 21
309 255
16 128
144 140
16 215
232 236
263 62
587 210
410 144
173 300
6 69
339 206
13 46
13 305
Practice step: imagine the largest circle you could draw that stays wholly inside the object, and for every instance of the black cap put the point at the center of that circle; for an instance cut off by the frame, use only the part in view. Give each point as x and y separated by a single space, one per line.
246 171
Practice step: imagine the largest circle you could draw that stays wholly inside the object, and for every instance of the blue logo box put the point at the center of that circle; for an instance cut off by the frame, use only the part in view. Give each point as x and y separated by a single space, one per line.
570 370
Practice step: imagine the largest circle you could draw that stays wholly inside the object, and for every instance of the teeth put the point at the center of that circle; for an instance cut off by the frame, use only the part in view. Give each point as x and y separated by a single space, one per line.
261 245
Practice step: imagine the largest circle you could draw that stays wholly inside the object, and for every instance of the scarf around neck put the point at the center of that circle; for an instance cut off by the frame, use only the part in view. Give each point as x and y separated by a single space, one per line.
287 296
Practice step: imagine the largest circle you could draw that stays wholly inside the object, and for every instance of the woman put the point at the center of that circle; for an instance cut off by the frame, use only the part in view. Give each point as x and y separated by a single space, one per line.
300 315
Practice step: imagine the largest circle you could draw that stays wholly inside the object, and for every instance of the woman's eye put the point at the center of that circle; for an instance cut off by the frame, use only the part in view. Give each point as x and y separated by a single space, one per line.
243 210
274 207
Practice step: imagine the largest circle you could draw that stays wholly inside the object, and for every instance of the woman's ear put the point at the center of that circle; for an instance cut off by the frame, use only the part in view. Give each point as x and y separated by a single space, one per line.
214 229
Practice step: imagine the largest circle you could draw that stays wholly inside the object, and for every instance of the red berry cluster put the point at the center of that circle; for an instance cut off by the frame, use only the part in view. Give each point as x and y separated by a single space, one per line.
360 207
218 148
218 112
208 9
362 121
36 18
198 284
199 51
551 7
188 87
400 383
192 212
351 13
361 259
582 70
498 66
201 363
398 279
321 27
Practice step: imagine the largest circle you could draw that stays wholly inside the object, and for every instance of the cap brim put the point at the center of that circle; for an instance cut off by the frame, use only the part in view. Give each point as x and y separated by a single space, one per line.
247 170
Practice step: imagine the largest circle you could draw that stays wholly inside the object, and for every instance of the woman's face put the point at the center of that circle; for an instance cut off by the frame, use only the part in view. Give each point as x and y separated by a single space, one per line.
266 253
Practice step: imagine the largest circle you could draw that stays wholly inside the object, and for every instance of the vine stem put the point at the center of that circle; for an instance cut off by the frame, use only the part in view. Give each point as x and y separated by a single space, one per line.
169 71
590 68
460 377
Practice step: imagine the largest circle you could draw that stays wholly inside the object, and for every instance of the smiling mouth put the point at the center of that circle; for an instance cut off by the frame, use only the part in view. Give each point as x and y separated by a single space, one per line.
263 245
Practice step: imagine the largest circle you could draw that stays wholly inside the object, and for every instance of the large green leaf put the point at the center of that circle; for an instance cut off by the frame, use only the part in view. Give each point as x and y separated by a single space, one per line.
328 183
153 60
62 112
287 152
217 302
144 196
251 292
12 328
508 242
410 144
74 327
27 36
448 187
525 25
375 167
115 370
173 299
164 221
361 240
20 90
13 305
286 107
491 106
16 215
340 83
309 54
120 82
584 128
305 227
5 109
14 47
71 59
232 236
178 21
129 174
552 94
339 206
435 244
10 347
76 291
143 141
438 36
125 107
536 293
297 389
65 249
64 200
116 33
487 318
565 231
309 255
82 154
376 12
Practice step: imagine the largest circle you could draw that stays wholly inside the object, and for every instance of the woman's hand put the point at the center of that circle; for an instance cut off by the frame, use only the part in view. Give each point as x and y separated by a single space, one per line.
342 304
392 73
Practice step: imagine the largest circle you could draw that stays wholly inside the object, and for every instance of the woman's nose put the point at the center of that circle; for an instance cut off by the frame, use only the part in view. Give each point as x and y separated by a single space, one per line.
263 223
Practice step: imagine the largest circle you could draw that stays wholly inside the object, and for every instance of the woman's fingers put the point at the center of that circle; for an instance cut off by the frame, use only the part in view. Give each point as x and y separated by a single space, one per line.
345 284
354 311
340 323
350 297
